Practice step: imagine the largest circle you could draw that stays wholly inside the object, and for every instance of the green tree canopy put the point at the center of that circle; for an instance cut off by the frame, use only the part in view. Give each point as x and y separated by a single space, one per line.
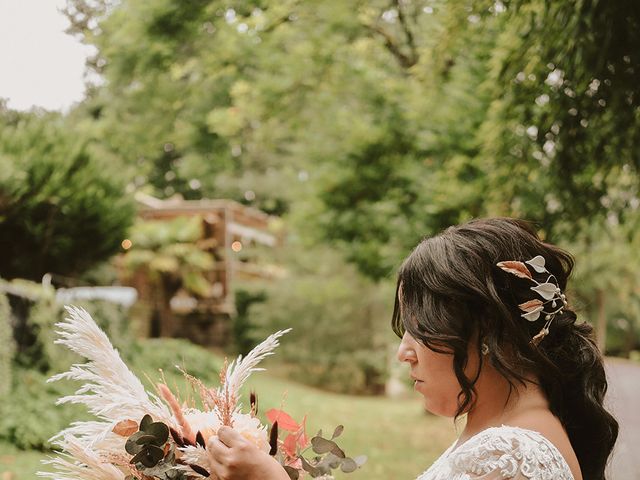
62 206
373 123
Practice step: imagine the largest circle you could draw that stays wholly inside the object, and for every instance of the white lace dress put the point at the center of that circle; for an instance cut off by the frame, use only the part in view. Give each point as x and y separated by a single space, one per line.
500 453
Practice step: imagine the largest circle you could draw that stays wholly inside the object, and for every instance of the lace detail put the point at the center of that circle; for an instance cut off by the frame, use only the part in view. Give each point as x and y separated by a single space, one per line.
501 453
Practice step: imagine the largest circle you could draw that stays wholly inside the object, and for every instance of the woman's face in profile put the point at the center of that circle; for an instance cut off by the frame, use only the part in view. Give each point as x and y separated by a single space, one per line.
433 374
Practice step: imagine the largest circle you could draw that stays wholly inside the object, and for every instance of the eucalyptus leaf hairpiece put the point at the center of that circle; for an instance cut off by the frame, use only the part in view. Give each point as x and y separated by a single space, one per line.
549 290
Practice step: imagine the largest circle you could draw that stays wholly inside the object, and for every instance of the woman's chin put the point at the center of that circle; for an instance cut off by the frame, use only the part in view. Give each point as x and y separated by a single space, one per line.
438 409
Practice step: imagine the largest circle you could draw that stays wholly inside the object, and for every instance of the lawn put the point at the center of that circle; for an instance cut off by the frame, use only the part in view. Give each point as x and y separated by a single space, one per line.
397 436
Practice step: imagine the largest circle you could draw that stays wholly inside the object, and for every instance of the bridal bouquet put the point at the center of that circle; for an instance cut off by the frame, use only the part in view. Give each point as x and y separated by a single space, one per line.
145 436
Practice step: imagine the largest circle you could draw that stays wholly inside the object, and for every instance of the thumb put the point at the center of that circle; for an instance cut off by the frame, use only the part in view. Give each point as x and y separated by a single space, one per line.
229 436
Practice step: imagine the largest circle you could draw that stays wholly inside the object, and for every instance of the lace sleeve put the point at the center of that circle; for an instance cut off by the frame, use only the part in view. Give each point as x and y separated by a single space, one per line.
512 453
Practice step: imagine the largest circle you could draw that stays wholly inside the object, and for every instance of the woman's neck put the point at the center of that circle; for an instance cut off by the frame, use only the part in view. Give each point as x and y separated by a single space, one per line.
495 406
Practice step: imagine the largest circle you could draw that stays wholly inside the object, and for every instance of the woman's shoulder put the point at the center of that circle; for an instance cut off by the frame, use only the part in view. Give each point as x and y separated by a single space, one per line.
510 451
500 453
503 437
551 431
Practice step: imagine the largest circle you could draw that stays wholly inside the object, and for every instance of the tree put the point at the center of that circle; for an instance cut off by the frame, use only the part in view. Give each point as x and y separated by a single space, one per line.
370 124
62 207
563 120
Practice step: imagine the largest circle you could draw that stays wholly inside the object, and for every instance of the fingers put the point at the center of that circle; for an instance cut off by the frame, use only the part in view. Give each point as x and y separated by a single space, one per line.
229 455
218 453
217 449
230 437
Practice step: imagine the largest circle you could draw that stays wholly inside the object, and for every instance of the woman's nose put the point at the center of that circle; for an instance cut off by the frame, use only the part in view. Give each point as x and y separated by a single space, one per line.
406 349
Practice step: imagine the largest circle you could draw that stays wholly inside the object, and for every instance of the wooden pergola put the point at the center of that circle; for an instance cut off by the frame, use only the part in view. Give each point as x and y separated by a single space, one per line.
230 230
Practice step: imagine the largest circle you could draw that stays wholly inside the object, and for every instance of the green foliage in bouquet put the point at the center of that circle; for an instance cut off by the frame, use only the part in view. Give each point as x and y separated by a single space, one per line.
154 452
329 456
115 395
146 445
291 452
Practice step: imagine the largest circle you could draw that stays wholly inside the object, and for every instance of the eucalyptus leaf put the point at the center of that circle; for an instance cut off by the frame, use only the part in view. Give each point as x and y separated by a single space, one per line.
146 439
331 460
338 452
132 447
337 432
360 460
322 445
163 470
293 473
313 471
145 422
348 465
149 456
159 431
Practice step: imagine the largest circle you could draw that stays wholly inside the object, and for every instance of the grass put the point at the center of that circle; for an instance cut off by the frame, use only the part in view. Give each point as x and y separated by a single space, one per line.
399 439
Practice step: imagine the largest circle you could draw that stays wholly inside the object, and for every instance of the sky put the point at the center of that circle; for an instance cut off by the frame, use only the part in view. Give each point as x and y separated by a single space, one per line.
40 65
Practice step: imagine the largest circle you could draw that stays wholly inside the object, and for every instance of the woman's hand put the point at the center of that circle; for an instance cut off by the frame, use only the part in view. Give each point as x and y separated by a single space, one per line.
234 458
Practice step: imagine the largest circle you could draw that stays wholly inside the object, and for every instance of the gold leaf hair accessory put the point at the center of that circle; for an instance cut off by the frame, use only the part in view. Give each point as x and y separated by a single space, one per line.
549 290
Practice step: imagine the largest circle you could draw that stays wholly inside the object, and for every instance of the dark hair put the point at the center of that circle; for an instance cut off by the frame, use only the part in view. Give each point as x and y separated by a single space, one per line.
450 289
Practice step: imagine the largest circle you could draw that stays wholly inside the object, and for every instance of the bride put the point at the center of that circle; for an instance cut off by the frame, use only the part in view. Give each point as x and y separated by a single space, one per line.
487 331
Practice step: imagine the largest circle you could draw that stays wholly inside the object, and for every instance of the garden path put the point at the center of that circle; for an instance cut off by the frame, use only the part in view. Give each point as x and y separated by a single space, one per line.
622 399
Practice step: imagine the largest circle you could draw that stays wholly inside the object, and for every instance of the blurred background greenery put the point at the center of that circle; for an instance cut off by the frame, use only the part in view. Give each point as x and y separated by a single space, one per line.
359 127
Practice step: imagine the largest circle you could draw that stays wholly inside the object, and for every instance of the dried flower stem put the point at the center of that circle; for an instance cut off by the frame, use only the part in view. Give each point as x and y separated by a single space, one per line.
175 407
226 401
207 396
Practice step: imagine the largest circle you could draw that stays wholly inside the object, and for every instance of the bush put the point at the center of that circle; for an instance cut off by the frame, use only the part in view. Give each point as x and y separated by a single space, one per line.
29 415
340 324
62 204
34 329
147 357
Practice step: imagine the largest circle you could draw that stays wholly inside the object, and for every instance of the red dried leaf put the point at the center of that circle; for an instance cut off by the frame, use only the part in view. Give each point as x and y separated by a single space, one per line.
289 444
518 269
303 440
285 422
530 306
125 428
